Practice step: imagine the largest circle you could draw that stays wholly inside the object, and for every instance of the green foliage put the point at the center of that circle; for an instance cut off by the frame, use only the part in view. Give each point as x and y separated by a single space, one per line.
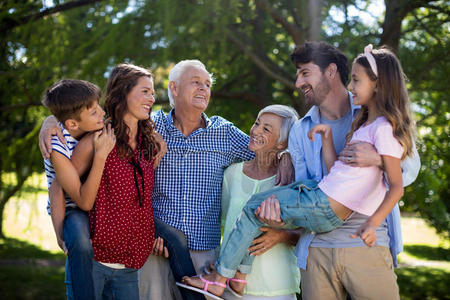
246 44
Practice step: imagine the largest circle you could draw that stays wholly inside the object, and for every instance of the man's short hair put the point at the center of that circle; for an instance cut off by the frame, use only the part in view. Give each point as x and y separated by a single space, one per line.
66 98
179 69
321 54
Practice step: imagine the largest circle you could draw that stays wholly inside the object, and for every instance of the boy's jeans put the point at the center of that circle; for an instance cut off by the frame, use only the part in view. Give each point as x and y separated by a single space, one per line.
302 204
79 283
122 283
179 256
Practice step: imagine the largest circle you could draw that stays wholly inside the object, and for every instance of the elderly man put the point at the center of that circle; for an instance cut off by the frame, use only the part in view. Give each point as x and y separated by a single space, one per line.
187 188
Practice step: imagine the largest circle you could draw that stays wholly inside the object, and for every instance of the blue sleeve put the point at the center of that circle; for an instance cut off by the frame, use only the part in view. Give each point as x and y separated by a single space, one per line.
297 153
239 145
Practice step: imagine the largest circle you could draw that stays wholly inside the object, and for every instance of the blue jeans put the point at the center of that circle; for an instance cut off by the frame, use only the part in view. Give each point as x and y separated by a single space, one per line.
179 257
122 283
302 204
78 279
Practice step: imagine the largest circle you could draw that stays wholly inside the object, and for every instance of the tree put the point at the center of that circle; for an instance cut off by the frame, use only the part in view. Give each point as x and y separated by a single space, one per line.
246 44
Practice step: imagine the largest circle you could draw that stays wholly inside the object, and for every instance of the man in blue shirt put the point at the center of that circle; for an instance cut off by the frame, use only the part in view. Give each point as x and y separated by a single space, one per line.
334 264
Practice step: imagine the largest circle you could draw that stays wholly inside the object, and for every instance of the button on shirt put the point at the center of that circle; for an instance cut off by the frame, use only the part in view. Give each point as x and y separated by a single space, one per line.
188 181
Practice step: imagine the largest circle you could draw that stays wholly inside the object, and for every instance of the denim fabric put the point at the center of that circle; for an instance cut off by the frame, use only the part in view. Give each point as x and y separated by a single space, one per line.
179 257
68 281
80 254
123 283
302 204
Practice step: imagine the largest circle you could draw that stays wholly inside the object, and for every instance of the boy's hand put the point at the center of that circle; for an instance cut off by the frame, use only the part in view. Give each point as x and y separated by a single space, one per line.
367 232
104 141
62 245
49 128
159 249
322 129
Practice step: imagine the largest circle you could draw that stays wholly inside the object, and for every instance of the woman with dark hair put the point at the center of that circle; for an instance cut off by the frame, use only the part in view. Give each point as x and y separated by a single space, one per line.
121 222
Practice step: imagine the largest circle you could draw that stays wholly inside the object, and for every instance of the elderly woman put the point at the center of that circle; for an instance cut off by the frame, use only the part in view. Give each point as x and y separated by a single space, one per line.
274 274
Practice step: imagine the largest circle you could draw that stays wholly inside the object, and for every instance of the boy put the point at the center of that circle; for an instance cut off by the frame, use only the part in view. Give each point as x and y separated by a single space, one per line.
75 103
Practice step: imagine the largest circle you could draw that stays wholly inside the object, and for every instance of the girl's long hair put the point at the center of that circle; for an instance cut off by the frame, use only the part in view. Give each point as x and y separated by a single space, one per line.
122 79
392 100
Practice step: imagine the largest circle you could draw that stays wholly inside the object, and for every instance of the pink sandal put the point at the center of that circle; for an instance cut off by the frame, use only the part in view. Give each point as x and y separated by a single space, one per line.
230 289
204 291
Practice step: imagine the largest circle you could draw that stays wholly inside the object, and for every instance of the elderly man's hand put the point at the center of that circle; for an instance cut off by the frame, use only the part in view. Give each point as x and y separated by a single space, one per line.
285 172
269 212
360 154
49 128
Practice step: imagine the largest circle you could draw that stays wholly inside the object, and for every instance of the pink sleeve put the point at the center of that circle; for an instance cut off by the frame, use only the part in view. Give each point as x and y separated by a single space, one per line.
385 142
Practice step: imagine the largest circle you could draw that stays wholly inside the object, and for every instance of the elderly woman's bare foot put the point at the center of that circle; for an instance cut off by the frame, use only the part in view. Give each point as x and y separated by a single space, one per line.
214 282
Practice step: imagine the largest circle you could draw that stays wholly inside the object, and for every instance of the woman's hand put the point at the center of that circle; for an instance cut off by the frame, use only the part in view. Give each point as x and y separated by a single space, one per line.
268 212
266 241
159 249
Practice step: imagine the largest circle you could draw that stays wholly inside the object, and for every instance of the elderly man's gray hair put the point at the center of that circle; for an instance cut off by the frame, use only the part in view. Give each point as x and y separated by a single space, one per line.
288 114
179 69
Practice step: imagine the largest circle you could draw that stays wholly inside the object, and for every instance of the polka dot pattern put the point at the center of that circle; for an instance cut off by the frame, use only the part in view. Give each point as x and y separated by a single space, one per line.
121 230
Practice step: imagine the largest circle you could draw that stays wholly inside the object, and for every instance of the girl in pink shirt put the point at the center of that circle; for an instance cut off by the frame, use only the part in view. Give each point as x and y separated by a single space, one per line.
377 85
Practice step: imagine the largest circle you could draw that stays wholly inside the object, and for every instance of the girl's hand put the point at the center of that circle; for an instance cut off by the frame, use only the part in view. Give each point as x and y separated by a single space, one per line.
104 141
159 249
367 232
323 129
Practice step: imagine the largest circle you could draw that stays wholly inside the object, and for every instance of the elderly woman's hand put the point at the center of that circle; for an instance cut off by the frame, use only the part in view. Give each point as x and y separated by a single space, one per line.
269 212
266 241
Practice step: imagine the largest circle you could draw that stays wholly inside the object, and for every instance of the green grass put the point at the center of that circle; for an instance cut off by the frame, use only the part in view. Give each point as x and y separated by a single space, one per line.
423 283
21 277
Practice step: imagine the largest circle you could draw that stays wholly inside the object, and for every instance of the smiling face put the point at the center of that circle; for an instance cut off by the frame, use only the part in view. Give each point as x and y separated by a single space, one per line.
265 133
193 90
313 83
140 100
90 119
361 86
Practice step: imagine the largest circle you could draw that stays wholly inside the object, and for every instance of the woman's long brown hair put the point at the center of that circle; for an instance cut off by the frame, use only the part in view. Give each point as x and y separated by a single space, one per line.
392 100
122 79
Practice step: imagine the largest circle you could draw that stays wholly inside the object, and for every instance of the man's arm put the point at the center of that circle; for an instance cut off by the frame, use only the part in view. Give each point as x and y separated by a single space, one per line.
49 128
362 154
271 237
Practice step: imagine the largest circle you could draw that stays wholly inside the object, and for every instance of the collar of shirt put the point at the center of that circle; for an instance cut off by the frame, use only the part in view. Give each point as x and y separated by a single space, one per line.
168 122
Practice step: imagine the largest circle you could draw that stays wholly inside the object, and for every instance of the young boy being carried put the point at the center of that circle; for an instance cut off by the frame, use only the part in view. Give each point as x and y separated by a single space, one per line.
75 103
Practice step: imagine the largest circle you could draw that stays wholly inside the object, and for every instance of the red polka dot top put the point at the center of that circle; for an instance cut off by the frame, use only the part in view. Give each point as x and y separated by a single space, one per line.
121 222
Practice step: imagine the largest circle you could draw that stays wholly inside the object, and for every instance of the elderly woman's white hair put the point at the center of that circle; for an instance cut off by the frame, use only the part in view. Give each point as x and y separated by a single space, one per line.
179 69
288 114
